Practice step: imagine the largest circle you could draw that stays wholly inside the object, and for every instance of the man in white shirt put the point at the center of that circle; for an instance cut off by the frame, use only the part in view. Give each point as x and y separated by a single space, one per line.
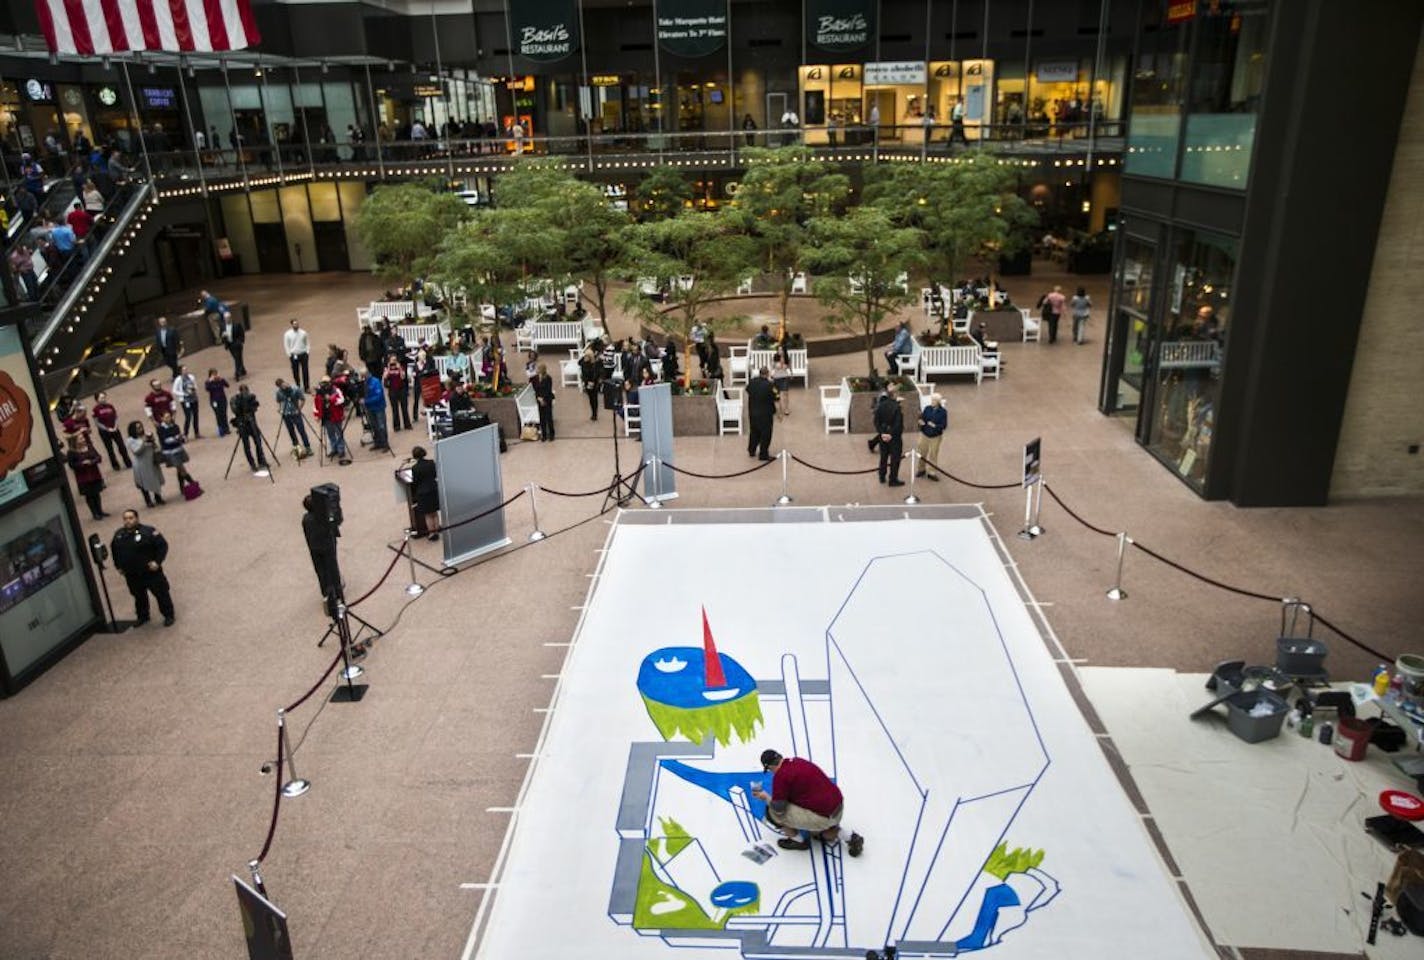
297 345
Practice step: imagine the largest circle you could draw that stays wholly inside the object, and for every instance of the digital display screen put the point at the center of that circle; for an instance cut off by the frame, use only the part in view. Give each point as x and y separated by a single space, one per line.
44 595
32 561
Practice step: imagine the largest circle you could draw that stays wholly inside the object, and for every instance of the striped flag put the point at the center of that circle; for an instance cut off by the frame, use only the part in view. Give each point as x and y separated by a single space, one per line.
93 27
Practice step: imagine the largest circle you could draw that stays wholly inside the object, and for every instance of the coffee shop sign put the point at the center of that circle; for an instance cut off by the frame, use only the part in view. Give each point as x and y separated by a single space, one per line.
842 30
543 41
892 74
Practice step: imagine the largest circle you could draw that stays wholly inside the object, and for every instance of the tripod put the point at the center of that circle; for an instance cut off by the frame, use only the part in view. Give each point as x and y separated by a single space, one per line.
340 614
245 424
620 489
320 445
360 409
340 623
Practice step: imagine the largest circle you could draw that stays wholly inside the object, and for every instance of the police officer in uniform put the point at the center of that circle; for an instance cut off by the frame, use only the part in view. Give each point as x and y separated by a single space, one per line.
890 428
138 551
761 412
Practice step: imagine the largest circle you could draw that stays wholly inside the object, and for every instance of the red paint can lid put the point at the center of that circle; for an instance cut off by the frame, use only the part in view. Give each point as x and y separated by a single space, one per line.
1404 805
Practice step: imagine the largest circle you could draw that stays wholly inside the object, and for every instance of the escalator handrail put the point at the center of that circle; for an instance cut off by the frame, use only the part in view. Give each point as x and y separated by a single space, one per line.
50 289
138 201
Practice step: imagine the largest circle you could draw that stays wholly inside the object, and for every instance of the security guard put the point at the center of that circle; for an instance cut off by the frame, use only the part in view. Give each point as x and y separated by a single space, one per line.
138 551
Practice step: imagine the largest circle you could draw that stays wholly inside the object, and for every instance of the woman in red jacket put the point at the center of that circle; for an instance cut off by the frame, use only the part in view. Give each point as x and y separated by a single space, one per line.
84 460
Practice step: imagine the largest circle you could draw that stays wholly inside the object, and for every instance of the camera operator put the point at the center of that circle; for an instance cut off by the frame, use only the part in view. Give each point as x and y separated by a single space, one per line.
289 401
321 536
244 418
330 406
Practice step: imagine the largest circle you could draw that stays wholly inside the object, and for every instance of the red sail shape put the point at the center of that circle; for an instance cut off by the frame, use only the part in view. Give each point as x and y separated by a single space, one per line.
711 660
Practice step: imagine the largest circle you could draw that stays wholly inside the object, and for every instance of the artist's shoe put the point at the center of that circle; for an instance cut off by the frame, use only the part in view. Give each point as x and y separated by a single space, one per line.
855 844
786 843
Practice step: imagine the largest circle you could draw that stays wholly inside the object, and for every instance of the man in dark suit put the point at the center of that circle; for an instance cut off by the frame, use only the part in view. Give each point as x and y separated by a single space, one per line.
167 340
234 338
761 414
890 426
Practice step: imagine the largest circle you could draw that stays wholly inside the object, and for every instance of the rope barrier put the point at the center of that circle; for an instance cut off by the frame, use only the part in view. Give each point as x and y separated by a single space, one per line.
839 473
719 476
384 576
1069 510
587 493
1349 639
968 483
478 516
316 686
276 797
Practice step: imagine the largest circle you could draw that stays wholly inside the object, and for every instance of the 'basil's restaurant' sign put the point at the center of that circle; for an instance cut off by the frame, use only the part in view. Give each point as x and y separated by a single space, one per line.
692 28
837 26
544 30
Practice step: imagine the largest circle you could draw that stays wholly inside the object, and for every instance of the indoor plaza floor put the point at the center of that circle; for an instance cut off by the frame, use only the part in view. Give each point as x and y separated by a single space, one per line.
134 782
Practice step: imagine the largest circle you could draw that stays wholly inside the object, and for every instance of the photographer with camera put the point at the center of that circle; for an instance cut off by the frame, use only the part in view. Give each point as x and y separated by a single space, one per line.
330 406
244 418
289 401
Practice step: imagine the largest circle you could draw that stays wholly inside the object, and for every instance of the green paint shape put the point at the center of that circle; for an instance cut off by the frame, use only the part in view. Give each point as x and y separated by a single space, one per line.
675 837
662 907
1003 862
738 717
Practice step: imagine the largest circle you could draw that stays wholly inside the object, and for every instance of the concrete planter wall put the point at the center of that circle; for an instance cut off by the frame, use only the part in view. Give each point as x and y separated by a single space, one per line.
694 416
502 410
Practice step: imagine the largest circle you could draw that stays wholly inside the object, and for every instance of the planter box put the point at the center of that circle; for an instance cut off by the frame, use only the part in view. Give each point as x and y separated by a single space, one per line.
862 411
503 411
1005 326
694 416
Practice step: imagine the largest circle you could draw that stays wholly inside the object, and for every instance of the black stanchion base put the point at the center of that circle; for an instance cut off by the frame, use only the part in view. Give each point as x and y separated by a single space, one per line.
349 693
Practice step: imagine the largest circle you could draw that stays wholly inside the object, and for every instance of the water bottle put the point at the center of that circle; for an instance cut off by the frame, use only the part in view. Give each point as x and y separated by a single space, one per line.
1307 724
1381 680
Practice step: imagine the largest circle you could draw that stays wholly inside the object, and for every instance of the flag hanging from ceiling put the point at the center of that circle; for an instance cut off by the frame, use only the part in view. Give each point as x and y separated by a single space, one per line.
95 27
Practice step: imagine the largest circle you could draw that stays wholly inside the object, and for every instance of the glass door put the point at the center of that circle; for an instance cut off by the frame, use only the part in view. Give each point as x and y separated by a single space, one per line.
1130 330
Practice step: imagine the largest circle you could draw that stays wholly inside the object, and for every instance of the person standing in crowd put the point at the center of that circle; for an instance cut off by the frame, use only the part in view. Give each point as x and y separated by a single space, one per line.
22 262
147 475
107 417
1081 307
157 401
890 430
185 391
249 431
84 460
289 402
904 343
234 337
591 378
956 123
427 490
167 340
781 379
76 421
1051 307
330 407
934 419
544 398
670 361
216 385
375 403
371 352
713 356
297 346
699 346
397 392
761 414
139 551
171 449
803 798
213 310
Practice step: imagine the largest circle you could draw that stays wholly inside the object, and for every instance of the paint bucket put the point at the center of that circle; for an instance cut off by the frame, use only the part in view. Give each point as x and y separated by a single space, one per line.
1410 667
1352 737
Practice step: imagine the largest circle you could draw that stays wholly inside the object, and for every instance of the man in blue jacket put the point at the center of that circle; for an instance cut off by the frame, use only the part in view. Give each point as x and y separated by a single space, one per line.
375 402
934 419
904 343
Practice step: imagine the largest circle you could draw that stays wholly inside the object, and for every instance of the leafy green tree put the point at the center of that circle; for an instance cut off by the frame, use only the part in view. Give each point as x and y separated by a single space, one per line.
969 211
865 244
663 193
401 226
596 238
776 199
710 248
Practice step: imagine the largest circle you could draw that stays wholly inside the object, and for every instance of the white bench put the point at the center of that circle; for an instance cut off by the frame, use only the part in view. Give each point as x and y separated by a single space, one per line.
1188 355
800 365
739 364
551 333
951 360
835 407
909 363
632 419
569 375
392 310
527 406
1031 325
417 333
745 287
798 282
729 410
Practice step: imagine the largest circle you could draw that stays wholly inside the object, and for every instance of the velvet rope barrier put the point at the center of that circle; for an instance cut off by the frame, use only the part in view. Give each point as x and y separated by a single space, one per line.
1069 510
718 476
384 576
968 483
276 796
316 686
839 473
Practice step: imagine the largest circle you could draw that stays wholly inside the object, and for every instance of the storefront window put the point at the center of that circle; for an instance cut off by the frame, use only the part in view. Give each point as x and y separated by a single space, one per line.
1058 100
1133 298
1010 101
1157 93
1228 74
1190 353
944 88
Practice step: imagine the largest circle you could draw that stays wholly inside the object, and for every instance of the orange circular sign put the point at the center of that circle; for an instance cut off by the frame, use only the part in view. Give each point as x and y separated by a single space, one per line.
16 423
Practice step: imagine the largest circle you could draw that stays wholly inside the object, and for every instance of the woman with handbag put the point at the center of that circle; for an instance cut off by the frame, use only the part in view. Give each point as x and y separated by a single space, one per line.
171 449
147 474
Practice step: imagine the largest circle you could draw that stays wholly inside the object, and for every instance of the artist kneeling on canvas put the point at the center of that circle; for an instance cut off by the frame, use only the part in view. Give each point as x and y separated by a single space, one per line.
803 798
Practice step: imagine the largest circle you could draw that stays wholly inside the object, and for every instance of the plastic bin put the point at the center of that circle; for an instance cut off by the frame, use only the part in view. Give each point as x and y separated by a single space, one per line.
1352 738
1300 656
1255 729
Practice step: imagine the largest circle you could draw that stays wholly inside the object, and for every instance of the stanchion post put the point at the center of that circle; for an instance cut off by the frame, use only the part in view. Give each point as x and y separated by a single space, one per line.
253 867
352 692
655 500
412 589
785 497
1035 528
536 535
911 498
1027 532
296 786
1117 592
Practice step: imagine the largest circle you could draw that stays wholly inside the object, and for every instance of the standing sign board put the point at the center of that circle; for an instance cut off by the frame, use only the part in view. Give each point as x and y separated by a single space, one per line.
655 410
1032 462
264 926
543 30
467 469
692 28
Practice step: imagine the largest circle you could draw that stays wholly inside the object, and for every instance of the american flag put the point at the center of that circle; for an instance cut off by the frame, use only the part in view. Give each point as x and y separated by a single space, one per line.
93 27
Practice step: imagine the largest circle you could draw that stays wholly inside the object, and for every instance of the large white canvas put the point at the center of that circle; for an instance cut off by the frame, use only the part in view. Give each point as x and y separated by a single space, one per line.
899 657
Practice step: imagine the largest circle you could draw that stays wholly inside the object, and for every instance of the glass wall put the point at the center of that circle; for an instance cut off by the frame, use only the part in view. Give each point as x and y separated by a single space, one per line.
1228 73
1158 90
1131 324
1189 357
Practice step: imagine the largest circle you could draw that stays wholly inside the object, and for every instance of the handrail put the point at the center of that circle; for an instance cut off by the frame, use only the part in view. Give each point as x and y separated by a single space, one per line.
70 300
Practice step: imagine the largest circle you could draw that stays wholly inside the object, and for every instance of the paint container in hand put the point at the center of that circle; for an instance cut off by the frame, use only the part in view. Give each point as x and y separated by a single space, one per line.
1353 739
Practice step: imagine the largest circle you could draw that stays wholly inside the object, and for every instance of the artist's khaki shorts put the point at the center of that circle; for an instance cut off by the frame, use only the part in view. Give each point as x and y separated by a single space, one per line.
799 818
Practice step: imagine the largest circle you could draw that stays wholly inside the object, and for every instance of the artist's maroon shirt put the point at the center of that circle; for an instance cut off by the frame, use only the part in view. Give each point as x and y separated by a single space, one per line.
803 783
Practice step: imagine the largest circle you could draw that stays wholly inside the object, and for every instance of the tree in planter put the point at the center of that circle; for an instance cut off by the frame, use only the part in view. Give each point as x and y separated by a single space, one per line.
401 224
968 211
782 191
708 247
867 245
663 193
